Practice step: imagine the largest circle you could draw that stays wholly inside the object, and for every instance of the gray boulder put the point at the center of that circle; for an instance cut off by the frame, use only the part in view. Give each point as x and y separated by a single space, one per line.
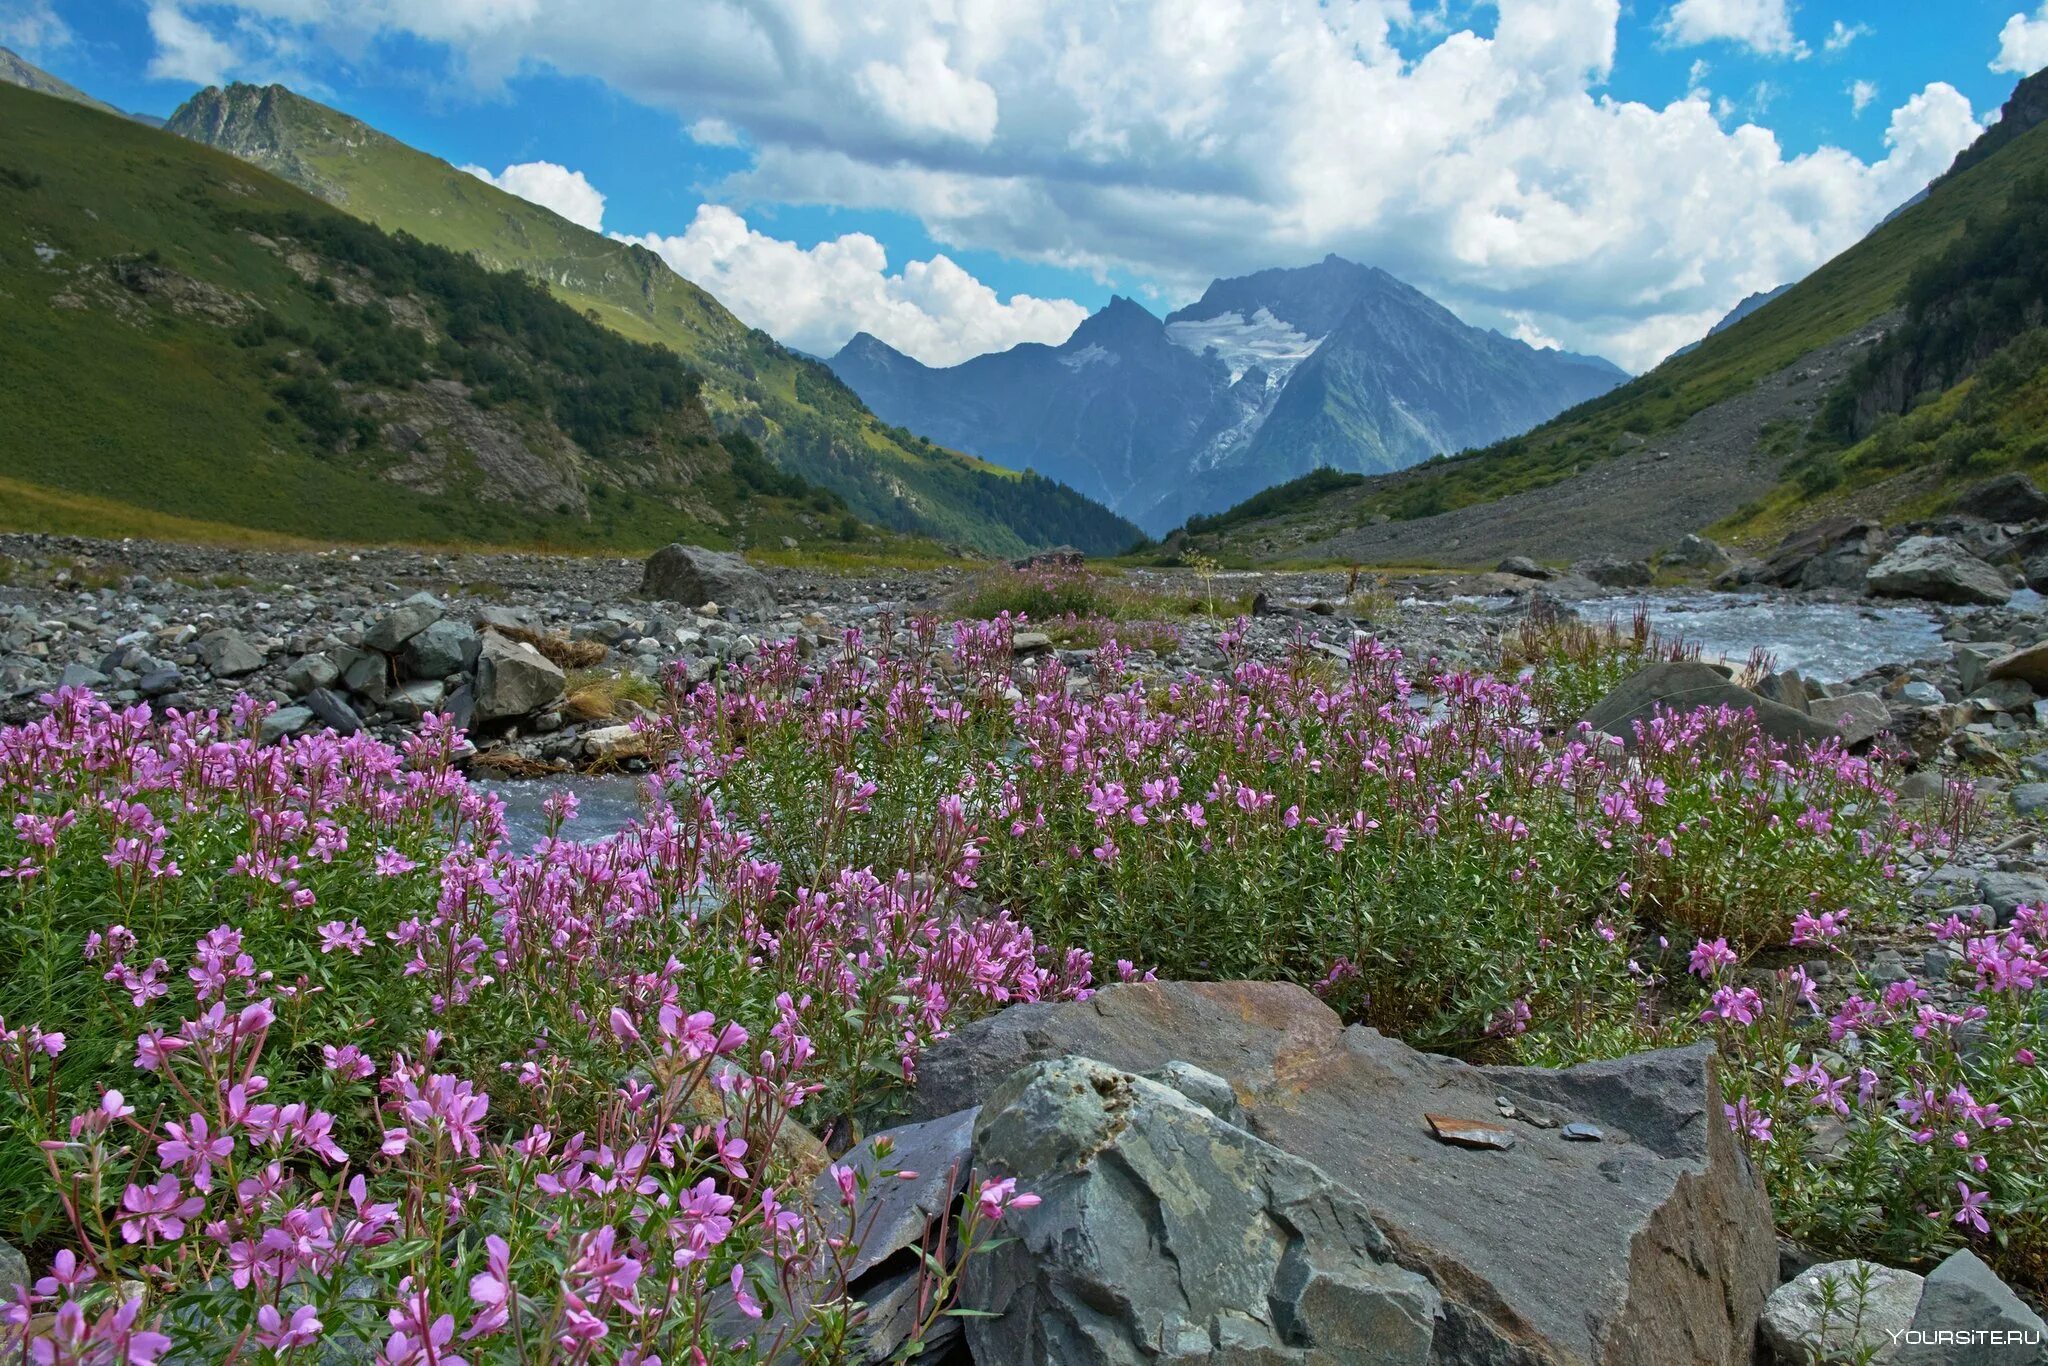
1164 1233
2008 498
227 653
1986 540
284 722
1830 554
1611 571
1969 1317
333 711
308 672
13 1270
890 1219
1936 569
1697 553
2003 694
367 673
441 648
1841 1314
2029 666
391 631
1652 1246
693 576
1859 716
1686 685
513 679
2004 893
1523 567
1787 689
157 682
1973 665
417 698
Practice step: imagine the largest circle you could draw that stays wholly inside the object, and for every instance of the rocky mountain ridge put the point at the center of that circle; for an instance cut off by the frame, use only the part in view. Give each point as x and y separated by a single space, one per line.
1263 378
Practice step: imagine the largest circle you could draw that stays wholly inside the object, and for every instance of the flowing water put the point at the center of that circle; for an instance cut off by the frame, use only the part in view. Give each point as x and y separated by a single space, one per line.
605 803
1827 641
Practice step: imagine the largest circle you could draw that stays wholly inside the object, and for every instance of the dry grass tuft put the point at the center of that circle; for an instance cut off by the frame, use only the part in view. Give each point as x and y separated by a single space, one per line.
560 651
596 696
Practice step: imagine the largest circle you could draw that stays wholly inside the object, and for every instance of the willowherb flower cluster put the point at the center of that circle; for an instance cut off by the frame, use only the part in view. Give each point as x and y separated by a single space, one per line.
298 1047
1892 1124
1416 849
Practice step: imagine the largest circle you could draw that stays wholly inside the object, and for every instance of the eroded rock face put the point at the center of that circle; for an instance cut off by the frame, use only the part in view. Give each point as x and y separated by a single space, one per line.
1166 1234
1652 1246
693 576
2008 498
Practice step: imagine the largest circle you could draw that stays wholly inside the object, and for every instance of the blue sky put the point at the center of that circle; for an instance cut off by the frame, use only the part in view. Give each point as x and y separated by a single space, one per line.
959 175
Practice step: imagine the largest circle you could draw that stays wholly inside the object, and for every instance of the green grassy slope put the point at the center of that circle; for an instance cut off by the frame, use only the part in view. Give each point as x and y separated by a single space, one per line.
200 343
805 419
1855 287
1956 393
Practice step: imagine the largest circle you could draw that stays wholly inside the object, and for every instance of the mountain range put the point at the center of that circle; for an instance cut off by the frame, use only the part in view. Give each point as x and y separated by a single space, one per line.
1265 377
1907 368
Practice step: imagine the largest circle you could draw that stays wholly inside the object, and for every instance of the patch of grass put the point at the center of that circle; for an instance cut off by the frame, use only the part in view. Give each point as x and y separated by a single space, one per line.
1049 592
604 695
558 650
28 507
1571 663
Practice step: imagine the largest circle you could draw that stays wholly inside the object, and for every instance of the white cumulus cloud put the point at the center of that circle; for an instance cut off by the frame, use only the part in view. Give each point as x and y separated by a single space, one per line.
1163 142
816 298
32 26
187 50
2023 44
1763 25
551 186
1861 93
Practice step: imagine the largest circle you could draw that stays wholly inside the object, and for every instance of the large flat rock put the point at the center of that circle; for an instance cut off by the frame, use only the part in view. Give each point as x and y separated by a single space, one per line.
1652 1246
1165 1234
1687 685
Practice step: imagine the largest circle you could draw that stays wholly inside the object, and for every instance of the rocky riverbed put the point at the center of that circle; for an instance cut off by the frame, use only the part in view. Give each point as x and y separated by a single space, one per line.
545 660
